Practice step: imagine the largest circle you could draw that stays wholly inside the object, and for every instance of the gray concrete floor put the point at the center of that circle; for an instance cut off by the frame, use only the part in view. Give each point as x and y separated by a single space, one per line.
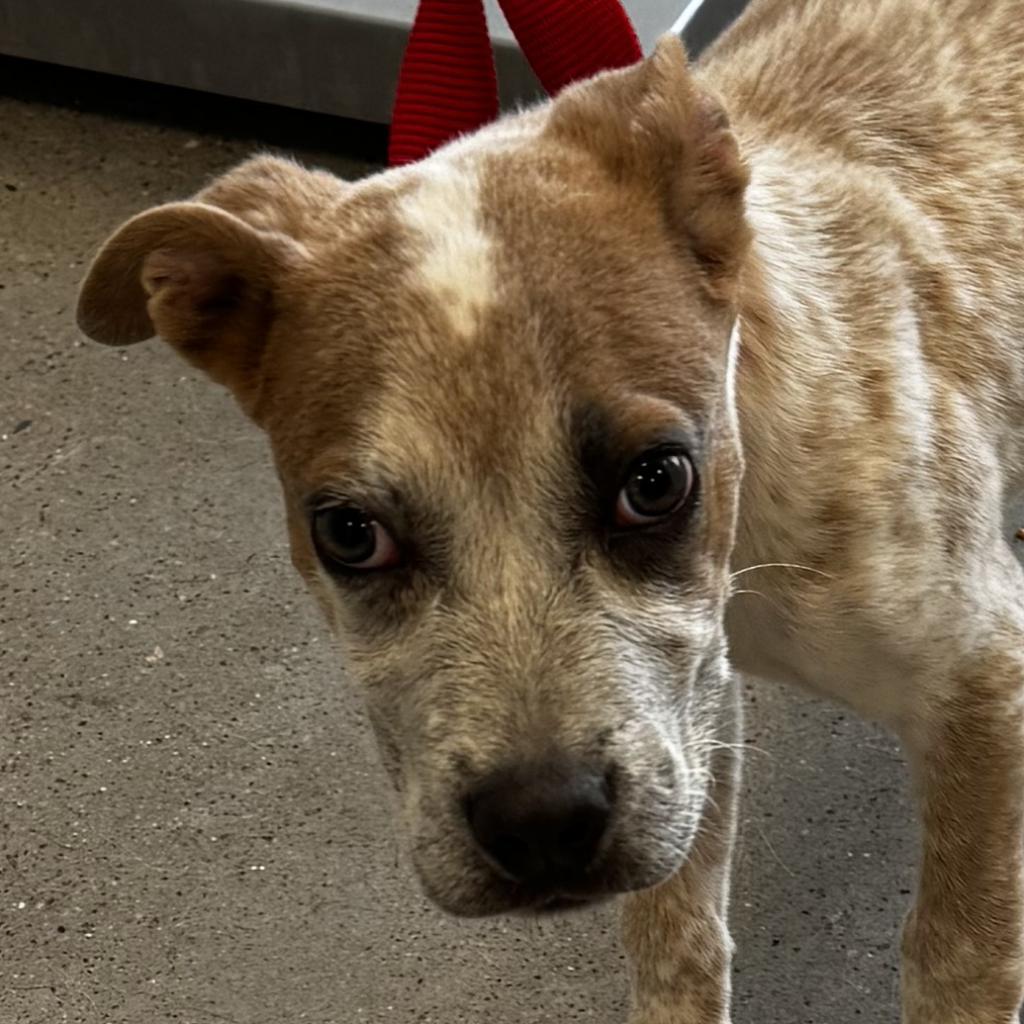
193 825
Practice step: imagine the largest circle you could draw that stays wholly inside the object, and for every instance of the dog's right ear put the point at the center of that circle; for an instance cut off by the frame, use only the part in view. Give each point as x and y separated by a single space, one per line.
656 126
203 274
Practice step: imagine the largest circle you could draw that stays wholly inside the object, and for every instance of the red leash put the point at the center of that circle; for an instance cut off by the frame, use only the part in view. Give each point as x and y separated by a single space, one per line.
447 84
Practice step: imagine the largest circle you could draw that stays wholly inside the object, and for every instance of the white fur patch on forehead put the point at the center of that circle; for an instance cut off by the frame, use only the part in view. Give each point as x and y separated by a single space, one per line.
456 265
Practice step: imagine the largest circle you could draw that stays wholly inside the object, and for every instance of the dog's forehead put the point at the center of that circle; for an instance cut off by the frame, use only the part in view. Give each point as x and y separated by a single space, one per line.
468 369
452 253
471 306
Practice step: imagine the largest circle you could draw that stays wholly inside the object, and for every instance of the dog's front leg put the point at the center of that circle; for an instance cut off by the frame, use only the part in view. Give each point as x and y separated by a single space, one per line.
963 947
676 935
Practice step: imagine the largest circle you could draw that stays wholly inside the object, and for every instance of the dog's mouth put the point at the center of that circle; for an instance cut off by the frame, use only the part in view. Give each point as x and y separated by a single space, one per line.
494 895
565 904
523 901
559 896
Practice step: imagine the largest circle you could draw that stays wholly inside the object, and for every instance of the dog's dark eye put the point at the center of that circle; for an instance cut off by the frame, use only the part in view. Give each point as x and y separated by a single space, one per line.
657 485
348 536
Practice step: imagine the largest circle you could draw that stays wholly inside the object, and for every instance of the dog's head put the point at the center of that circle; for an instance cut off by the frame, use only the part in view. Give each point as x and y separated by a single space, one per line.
497 389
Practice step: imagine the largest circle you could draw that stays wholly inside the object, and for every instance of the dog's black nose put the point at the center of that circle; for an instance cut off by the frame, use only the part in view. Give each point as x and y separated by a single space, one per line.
541 824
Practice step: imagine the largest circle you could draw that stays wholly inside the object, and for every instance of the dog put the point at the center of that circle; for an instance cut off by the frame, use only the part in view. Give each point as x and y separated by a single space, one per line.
546 403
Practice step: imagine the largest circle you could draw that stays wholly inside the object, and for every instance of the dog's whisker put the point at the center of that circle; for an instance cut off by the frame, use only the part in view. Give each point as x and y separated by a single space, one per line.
763 596
780 565
771 849
745 748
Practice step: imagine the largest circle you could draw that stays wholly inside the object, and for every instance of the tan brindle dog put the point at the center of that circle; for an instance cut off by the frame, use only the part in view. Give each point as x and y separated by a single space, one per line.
506 391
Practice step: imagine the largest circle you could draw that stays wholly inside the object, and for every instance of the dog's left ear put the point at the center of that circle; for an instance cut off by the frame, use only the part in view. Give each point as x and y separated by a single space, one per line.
655 127
204 275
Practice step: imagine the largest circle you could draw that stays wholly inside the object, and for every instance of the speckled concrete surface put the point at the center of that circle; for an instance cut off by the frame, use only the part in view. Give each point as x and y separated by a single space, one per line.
193 826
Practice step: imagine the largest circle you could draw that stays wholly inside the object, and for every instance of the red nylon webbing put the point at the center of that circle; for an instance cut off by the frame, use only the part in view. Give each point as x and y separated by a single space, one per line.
447 84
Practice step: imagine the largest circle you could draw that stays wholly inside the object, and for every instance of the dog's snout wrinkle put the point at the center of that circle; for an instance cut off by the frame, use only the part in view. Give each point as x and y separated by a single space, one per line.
541 824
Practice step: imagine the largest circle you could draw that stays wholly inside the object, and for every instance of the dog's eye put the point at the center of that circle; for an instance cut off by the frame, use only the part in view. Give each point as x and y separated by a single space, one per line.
348 536
657 485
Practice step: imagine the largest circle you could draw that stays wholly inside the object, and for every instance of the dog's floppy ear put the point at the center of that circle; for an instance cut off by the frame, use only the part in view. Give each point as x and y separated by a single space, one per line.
654 126
202 275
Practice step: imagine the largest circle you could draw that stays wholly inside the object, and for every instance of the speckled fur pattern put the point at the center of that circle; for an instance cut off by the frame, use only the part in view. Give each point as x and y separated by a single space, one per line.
802 255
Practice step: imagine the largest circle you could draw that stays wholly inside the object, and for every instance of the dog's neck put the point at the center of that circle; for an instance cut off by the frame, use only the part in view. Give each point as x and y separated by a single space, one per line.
788 325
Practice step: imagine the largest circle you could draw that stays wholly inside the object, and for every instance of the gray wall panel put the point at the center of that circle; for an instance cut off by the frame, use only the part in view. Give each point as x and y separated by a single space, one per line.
328 56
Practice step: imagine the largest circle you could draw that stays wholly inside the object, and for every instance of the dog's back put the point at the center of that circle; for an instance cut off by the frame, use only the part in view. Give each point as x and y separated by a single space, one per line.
906 85
908 111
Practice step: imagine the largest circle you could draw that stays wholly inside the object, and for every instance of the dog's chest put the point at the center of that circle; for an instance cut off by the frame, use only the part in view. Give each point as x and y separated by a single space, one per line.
855 613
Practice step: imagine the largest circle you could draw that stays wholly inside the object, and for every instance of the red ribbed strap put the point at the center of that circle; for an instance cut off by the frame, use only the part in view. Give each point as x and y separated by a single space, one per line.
447 84
566 40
